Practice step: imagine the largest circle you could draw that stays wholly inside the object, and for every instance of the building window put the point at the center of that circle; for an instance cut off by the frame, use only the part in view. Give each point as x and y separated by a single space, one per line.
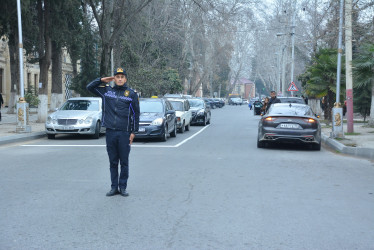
1 80
36 85
28 80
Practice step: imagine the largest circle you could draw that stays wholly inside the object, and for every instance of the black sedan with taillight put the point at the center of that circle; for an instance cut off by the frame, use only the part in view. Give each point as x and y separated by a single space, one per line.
289 123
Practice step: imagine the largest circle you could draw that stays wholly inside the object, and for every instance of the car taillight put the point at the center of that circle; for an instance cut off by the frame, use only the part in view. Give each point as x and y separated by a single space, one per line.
310 120
269 118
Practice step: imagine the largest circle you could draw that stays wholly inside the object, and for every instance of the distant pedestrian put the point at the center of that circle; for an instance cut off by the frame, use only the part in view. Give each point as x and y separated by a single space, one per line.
121 119
272 100
250 105
1 104
265 104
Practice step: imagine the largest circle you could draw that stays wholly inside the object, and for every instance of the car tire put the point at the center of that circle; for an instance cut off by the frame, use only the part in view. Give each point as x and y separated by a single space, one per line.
164 136
316 146
208 122
181 130
204 121
174 133
260 144
51 136
187 127
97 131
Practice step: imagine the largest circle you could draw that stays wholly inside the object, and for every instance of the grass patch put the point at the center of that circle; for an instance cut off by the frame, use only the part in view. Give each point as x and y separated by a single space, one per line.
352 133
351 144
338 139
371 132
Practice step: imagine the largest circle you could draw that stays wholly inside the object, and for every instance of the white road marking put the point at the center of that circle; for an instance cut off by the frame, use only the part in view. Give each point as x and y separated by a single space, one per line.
133 146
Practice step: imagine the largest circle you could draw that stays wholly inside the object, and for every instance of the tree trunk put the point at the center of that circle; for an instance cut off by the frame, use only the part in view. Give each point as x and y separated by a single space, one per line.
45 47
371 118
14 75
56 96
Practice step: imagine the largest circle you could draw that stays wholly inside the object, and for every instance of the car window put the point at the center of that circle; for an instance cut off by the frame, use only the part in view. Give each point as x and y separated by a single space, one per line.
196 103
81 105
177 105
291 100
150 107
298 110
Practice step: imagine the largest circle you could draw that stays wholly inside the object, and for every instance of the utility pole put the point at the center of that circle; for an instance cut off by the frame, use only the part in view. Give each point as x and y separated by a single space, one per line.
293 43
348 64
337 112
22 105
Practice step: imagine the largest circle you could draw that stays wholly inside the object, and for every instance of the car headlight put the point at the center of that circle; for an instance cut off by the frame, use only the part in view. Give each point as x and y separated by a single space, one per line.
88 120
158 122
49 120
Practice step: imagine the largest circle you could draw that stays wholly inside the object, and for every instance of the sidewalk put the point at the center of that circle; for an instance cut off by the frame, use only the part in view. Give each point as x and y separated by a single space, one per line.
8 128
360 143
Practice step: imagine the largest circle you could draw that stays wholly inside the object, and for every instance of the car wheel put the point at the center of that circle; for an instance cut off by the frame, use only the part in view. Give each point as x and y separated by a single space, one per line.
174 133
181 130
187 127
51 136
260 144
164 136
316 146
97 131
208 121
204 121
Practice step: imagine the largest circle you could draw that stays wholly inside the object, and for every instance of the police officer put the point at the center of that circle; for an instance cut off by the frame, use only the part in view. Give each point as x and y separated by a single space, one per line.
121 119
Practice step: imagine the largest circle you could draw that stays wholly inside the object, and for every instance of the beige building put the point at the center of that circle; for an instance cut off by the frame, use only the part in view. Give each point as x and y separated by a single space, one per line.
31 74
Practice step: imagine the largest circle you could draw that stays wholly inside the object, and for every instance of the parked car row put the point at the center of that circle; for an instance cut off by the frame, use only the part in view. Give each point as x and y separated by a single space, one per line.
159 117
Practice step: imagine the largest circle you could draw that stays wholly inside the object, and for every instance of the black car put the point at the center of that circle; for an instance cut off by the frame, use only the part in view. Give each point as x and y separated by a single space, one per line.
290 123
157 119
285 99
210 103
257 106
218 102
200 111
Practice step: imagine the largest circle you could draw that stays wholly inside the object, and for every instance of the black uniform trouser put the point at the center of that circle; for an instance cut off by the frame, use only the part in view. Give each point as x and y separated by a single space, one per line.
118 148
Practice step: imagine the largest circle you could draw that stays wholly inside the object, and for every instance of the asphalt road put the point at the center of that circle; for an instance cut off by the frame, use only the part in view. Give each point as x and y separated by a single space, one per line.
209 188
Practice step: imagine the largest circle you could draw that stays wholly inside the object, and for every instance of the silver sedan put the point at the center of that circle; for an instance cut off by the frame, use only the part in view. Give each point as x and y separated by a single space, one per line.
81 115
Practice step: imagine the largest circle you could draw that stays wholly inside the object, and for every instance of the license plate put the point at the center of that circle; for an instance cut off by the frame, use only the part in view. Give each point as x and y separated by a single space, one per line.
141 129
68 128
289 125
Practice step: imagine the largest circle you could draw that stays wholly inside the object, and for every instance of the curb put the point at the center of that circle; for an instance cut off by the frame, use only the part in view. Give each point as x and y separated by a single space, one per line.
21 137
355 151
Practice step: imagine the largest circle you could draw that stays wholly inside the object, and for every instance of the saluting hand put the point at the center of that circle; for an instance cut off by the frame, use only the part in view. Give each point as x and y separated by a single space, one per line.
107 79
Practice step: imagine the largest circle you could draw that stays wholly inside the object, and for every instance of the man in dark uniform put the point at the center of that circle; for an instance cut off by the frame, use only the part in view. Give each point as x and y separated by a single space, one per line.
121 119
272 100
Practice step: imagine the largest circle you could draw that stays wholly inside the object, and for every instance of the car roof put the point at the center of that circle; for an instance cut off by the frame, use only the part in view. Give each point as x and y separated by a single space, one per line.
289 104
176 100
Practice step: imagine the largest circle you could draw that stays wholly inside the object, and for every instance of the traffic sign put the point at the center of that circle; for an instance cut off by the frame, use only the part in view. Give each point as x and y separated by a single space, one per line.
292 87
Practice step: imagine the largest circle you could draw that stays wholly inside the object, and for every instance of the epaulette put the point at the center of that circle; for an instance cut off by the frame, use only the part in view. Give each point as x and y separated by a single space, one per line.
103 86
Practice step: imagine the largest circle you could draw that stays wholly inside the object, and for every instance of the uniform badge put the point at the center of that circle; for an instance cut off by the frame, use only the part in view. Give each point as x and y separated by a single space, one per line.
127 93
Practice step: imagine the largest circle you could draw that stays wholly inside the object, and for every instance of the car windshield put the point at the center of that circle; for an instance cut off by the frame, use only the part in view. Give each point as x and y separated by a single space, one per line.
177 105
81 105
294 110
150 107
196 103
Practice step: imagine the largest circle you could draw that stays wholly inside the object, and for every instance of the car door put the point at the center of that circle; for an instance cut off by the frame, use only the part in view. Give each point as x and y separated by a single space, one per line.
170 117
188 112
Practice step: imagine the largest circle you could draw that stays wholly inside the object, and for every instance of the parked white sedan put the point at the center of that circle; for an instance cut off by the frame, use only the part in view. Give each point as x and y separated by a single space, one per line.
80 115
183 112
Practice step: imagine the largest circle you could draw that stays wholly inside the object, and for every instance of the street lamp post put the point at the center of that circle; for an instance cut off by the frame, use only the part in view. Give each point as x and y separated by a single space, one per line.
337 111
22 105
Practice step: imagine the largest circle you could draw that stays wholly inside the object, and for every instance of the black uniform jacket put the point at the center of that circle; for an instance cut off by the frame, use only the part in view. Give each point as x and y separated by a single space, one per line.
120 104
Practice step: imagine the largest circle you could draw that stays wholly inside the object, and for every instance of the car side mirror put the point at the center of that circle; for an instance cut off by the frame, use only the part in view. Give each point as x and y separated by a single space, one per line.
170 112
316 115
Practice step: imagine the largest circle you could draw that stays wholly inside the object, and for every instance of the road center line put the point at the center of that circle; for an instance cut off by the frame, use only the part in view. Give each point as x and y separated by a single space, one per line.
134 146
